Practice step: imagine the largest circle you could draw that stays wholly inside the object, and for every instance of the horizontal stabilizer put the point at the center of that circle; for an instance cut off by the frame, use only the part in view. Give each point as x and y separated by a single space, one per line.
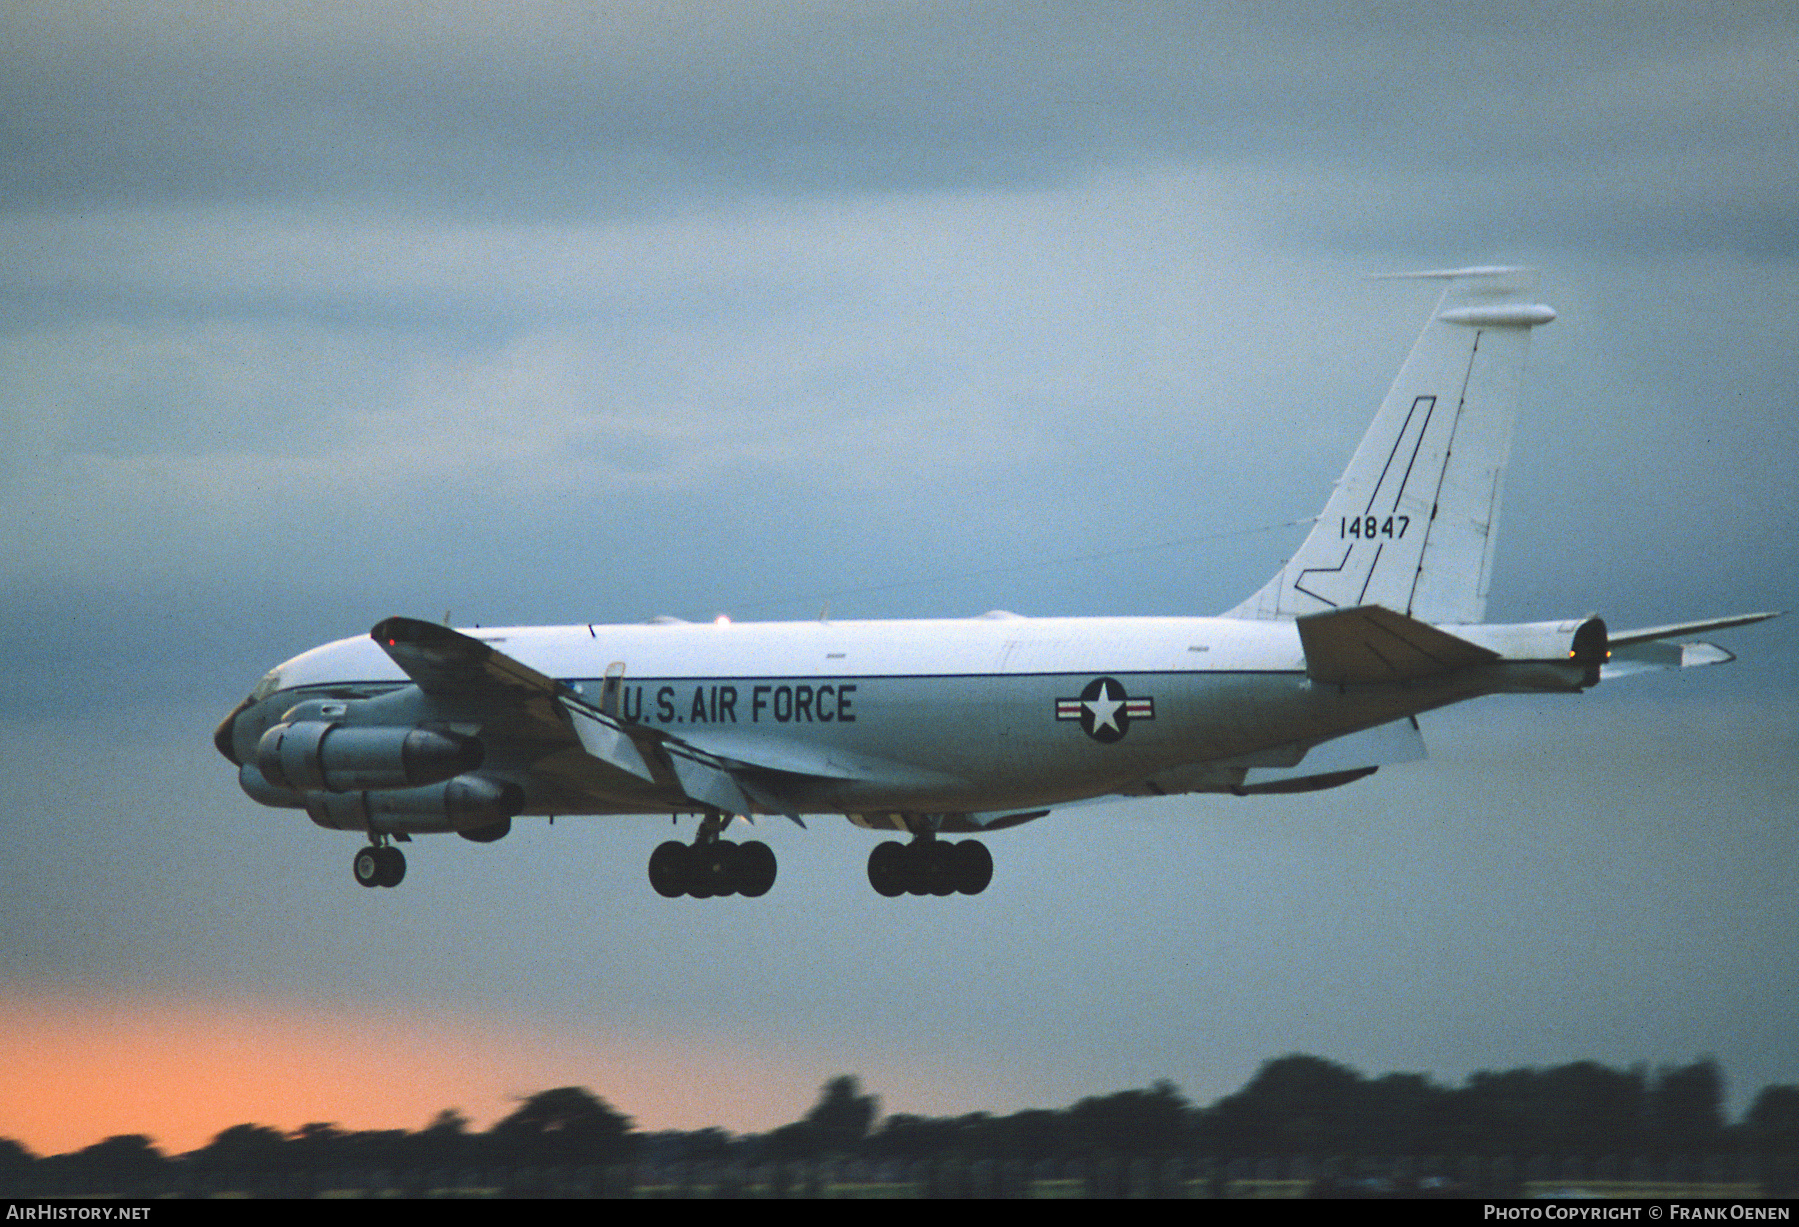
1372 644
1654 656
1454 274
1647 650
1647 634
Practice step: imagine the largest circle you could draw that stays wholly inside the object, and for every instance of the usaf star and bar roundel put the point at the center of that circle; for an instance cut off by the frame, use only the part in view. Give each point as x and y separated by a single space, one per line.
1105 710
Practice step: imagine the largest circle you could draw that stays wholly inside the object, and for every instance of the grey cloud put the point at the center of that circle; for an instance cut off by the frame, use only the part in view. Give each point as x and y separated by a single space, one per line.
565 120
921 310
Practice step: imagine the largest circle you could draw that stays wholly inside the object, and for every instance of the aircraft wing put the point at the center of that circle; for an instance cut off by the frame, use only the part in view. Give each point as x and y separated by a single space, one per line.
1647 649
450 665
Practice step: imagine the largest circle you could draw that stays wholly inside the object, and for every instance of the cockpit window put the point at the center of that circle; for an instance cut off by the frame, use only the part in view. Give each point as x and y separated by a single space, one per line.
267 686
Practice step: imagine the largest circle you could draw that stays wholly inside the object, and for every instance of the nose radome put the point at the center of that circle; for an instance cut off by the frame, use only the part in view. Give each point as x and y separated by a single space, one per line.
224 736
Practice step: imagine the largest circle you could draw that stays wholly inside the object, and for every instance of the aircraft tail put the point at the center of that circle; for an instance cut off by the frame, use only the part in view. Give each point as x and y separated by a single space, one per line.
1412 523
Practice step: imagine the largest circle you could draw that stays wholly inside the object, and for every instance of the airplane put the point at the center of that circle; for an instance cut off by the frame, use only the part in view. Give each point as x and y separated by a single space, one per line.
959 727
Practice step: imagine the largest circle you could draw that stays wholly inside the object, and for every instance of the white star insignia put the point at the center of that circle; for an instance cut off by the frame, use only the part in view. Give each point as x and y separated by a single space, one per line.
1104 709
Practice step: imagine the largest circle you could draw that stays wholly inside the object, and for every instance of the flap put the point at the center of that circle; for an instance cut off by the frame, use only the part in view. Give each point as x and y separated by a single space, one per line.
607 740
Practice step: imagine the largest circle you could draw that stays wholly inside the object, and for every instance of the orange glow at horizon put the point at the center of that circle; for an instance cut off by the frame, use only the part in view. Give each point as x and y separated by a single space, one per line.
82 1068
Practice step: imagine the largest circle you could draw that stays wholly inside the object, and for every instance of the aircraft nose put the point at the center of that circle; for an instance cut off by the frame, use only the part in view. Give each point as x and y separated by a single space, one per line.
224 738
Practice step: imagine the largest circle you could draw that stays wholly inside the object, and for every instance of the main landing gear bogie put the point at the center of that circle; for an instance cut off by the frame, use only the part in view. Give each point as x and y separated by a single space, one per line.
930 867
713 868
379 866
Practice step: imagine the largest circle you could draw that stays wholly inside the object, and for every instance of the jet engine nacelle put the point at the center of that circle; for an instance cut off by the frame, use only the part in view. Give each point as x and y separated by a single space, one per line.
319 755
466 803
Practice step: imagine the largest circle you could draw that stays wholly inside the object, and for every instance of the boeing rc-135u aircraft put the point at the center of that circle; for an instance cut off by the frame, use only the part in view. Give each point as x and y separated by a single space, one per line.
941 728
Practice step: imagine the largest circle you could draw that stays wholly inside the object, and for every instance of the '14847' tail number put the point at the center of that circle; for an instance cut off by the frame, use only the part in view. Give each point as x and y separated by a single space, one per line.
1372 526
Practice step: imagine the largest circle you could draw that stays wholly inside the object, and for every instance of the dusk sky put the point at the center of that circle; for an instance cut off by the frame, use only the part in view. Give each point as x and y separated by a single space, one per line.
314 313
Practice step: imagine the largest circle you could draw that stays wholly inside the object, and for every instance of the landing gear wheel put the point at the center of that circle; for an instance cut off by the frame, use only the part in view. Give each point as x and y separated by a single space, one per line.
930 867
393 866
887 868
973 866
917 877
709 869
671 867
939 865
375 866
755 869
720 861
367 867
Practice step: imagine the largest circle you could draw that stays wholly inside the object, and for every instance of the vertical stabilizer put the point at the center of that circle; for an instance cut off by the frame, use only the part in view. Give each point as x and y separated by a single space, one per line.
1411 525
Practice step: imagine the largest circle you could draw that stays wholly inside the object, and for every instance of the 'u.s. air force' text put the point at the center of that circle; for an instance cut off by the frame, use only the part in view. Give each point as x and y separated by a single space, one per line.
796 703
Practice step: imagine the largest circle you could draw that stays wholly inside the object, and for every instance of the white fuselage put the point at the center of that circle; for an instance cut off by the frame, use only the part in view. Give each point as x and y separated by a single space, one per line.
952 716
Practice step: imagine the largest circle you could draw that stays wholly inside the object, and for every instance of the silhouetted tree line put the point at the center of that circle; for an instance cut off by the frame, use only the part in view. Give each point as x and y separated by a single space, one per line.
1293 1106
